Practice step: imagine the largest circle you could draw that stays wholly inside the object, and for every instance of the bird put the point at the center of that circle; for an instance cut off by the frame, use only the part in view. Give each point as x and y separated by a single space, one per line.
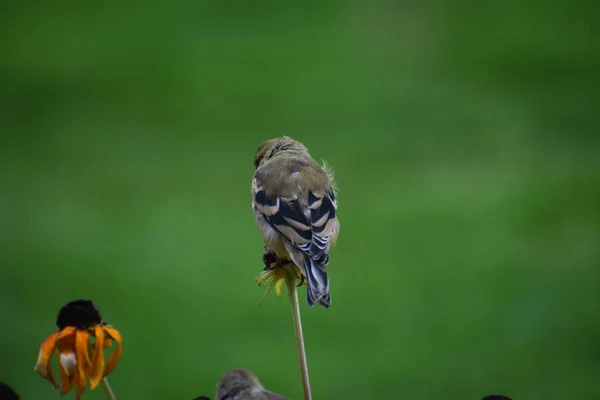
294 203
242 384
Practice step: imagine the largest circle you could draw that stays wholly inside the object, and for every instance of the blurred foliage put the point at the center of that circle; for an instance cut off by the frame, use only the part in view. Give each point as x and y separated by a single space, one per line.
465 140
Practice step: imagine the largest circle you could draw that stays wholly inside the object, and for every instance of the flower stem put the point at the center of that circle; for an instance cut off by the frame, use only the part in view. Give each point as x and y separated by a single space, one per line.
109 393
293 292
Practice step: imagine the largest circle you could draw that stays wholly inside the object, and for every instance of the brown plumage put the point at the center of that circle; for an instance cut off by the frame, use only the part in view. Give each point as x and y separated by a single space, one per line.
294 203
242 384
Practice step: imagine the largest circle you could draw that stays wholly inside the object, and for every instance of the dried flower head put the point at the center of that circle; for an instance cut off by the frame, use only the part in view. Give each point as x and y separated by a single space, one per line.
79 344
276 275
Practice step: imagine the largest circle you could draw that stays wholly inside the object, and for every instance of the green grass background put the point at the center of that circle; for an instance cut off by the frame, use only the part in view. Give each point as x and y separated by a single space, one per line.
464 136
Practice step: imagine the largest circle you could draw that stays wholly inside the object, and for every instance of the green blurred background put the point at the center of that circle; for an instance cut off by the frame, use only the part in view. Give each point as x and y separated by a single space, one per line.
464 136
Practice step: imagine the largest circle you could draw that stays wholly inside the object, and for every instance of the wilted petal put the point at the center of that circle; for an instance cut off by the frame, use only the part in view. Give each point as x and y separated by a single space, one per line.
98 358
68 371
65 341
43 362
84 365
278 286
114 357
80 390
276 277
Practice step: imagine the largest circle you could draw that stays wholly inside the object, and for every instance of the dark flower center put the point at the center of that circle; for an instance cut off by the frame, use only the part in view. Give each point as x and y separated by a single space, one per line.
81 314
7 393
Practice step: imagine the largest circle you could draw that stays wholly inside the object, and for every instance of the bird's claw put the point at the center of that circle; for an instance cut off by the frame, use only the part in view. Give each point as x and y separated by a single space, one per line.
270 258
271 261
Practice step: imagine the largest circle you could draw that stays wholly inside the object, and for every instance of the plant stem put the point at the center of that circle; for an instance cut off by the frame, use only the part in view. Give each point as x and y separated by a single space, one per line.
293 292
109 393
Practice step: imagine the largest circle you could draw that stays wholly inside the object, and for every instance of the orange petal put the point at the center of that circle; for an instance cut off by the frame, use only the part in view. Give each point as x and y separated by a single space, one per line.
43 361
65 341
98 359
107 342
82 342
67 380
114 357
79 393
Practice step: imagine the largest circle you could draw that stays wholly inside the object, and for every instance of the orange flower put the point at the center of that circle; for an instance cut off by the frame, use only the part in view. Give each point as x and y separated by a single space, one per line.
80 359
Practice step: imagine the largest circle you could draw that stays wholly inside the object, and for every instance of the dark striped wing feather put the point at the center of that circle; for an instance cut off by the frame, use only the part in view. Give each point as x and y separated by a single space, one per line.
308 229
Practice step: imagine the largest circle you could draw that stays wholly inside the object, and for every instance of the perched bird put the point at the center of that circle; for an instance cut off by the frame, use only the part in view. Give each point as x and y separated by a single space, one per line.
294 203
242 384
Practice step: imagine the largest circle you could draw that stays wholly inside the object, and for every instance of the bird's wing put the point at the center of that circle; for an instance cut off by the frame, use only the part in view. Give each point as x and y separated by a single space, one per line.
308 225
268 395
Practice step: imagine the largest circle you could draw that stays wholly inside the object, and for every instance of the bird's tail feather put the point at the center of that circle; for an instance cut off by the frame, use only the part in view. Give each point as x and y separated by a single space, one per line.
318 284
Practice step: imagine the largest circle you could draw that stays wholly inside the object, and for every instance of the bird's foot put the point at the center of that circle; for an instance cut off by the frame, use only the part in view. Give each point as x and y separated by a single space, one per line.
271 260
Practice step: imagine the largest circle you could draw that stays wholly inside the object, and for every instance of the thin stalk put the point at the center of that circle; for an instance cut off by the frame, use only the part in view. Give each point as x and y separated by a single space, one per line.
293 292
109 393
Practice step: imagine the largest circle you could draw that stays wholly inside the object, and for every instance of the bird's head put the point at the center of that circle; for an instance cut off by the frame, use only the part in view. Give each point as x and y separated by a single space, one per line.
270 148
235 381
